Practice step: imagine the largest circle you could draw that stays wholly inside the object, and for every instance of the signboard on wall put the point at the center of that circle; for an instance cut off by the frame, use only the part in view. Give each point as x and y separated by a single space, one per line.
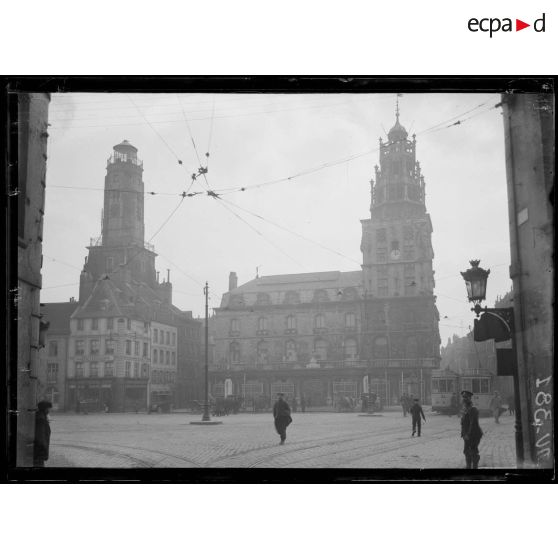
506 364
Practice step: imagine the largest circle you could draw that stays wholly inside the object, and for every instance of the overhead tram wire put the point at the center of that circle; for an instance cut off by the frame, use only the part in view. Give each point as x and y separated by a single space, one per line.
201 169
270 111
216 197
436 128
155 130
293 232
449 120
232 189
260 233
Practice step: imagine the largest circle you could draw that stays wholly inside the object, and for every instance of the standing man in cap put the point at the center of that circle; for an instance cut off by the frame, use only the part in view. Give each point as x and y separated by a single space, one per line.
42 434
470 431
282 416
416 411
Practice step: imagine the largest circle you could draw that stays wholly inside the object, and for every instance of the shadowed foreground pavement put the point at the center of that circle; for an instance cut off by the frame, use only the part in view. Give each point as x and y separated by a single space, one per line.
314 440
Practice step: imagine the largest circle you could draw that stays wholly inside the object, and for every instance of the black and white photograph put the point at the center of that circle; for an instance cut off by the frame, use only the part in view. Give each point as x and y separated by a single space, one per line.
339 276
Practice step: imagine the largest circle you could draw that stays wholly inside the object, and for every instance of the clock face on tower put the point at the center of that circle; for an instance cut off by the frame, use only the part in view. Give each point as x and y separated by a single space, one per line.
395 254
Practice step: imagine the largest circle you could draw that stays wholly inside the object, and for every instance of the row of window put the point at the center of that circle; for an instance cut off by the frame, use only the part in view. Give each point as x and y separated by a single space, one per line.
95 324
350 351
291 322
395 192
110 347
164 357
130 347
106 370
164 337
163 377
381 235
321 347
293 297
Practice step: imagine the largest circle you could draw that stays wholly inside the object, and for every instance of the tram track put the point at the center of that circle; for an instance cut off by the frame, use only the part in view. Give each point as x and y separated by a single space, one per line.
305 446
142 462
364 451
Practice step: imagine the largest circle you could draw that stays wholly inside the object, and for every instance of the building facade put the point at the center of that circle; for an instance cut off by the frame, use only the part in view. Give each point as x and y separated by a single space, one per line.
297 334
54 355
326 336
463 355
123 352
28 148
530 171
400 318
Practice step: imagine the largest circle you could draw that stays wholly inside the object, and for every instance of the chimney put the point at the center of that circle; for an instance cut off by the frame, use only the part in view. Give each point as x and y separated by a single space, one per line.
233 281
72 299
168 275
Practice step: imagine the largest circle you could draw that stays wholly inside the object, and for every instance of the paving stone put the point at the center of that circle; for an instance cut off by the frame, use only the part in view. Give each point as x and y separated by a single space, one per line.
315 440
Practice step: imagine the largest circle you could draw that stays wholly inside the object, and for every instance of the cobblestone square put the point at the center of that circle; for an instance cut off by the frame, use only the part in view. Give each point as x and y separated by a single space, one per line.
314 440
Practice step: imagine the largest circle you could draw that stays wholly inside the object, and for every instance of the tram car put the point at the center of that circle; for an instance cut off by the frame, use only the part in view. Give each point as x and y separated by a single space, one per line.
446 388
445 392
481 384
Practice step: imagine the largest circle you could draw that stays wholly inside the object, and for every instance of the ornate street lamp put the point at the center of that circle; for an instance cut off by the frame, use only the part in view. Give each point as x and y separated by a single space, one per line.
476 279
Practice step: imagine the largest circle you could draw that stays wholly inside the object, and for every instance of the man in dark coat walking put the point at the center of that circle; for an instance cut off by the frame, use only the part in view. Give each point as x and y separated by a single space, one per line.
416 411
470 431
282 416
42 434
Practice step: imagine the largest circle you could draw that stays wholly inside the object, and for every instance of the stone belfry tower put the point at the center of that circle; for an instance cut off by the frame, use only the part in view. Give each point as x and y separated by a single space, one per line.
400 315
121 252
124 197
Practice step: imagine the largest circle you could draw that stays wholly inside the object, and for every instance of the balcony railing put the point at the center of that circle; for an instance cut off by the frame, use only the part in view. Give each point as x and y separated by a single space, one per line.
98 241
122 158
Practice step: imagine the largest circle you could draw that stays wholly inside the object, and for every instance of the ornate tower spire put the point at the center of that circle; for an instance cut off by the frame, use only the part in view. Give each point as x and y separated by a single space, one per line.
397 107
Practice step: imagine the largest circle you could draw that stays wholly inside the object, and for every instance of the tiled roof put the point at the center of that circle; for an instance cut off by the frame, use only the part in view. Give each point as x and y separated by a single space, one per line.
296 281
58 315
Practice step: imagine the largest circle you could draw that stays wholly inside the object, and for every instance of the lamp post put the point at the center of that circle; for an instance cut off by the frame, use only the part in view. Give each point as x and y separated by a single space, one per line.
206 420
206 401
476 279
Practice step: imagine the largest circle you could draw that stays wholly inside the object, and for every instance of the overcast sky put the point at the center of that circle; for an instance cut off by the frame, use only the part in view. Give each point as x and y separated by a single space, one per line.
253 139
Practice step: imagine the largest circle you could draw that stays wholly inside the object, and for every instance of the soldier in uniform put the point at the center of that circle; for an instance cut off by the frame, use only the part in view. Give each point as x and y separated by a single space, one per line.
470 431
282 416
416 412
42 434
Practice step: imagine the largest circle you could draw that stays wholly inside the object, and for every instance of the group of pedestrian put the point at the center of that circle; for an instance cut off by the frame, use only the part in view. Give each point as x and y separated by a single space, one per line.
471 431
